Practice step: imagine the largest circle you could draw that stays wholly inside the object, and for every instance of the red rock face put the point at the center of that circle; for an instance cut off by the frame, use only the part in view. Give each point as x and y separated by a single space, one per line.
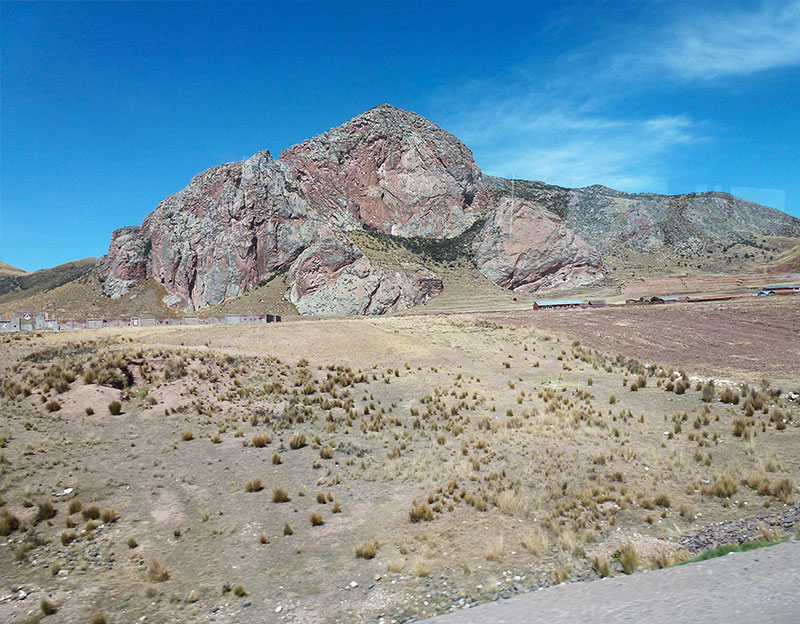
392 171
524 247
241 223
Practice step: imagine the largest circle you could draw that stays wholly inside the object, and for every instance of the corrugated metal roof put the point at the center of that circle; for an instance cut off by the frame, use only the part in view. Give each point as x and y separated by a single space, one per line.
560 303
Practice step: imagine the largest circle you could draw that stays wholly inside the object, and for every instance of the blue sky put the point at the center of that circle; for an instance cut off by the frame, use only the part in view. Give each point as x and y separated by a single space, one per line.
107 108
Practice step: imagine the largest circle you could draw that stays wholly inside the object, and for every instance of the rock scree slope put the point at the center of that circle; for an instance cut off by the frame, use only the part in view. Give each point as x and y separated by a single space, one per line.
240 224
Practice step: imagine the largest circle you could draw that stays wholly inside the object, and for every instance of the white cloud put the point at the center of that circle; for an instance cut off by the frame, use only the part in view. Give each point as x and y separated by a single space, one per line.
570 147
737 43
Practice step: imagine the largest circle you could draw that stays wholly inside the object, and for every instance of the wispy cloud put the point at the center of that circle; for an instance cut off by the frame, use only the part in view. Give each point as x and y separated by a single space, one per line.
568 125
733 43
545 140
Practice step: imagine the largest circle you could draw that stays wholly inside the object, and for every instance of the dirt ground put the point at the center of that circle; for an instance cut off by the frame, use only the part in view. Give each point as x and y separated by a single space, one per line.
740 340
453 459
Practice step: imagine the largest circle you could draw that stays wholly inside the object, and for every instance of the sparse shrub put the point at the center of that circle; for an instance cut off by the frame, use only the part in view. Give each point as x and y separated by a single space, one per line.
253 485
316 519
298 441
366 550
260 440
239 591
89 411
280 495
115 408
157 571
52 406
132 543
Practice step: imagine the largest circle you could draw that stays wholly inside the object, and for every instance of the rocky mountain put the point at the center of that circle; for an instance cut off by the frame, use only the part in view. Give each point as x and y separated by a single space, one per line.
688 224
391 171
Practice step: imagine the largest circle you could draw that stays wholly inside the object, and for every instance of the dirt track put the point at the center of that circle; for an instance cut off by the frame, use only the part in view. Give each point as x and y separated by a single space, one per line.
759 585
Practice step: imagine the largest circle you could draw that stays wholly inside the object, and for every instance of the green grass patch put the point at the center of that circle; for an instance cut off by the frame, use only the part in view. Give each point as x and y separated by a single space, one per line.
726 549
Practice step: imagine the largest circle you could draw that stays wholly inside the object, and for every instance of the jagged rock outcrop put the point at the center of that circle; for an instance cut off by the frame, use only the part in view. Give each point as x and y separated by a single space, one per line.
393 171
126 261
332 277
524 247
614 221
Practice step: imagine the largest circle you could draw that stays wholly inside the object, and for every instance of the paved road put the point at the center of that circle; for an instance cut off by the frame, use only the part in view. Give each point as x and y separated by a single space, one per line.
761 586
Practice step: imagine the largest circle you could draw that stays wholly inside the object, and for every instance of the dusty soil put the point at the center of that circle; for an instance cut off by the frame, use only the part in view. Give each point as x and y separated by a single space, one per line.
525 452
740 340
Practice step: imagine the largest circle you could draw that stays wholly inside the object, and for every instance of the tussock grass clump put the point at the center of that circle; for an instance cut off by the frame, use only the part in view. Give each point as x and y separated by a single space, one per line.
52 406
709 392
321 498
187 435
115 408
44 510
92 512
535 541
326 452
98 618
495 550
280 495
628 558
8 523
132 543
276 458
316 519
729 395
560 575
287 529
109 516
74 506
239 591
260 440
367 550
253 485
337 508
67 537
420 512
298 441
722 486
602 565
156 571
47 607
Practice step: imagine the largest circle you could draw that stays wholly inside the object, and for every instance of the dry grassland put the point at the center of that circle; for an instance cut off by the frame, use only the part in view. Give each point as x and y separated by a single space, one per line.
329 471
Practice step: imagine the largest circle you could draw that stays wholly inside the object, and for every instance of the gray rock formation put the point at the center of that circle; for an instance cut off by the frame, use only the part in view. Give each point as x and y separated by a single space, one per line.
524 247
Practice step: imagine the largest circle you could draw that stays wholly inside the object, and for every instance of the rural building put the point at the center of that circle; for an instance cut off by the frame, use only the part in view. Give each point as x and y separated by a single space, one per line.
95 323
552 305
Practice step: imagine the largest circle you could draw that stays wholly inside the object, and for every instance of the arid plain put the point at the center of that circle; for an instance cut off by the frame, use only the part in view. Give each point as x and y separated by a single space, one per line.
395 467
